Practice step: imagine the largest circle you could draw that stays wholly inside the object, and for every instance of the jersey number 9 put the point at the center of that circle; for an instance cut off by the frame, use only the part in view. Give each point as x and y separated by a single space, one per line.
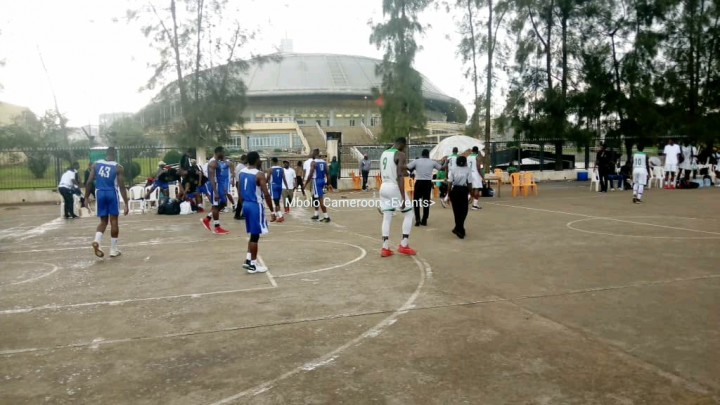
384 163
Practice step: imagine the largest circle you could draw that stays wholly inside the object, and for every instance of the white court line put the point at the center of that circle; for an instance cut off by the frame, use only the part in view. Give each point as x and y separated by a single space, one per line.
267 273
331 356
136 244
54 269
571 223
363 253
604 218
126 301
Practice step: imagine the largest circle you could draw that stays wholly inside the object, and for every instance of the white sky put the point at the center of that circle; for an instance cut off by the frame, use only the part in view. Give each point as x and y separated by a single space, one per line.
97 65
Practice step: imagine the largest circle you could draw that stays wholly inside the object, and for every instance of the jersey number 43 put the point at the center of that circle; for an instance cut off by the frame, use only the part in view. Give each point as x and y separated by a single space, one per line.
104 172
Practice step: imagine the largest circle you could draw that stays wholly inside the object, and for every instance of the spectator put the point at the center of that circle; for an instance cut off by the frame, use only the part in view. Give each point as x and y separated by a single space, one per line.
299 176
185 160
442 186
65 188
238 168
689 163
460 185
512 168
603 166
365 170
334 172
715 161
672 153
423 169
626 174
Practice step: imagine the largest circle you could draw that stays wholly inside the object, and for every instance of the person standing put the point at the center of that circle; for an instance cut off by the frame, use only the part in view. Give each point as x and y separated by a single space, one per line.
393 169
459 188
238 168
276 174
67 183
185 160
106 175
217 177
288 186
365 164
308 176
299 176
671 152
602 164
641 168
319 175
689 163
473 163
450 163
334 172
423 169
253 191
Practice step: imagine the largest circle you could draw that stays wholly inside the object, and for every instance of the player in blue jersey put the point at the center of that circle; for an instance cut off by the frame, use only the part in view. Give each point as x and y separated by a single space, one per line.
106 175
320 177
276 174
253 191
218 180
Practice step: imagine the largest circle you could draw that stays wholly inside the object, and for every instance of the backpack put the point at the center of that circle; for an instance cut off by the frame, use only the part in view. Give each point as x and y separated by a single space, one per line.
169 207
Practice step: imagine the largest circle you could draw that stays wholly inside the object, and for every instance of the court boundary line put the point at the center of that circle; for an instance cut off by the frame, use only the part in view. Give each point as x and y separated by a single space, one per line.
30 280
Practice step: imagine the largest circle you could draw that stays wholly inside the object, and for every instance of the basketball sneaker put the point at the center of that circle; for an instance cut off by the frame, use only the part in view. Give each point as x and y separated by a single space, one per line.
386 252
314 218
476 208
115 252
325 220
273 217
98 251
407 250
218 230
666 186
281 219
246 265
252 269
206 223
443 202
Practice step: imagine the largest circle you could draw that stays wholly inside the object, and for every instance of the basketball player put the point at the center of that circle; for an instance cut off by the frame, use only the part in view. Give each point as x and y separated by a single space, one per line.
287 192
106 175
253 190
641 168
320 177
309 174
451 164
218 177
473 162
392 196
277 183
231 175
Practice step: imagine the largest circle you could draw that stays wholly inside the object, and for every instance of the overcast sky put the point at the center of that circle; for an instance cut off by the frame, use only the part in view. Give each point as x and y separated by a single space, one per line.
96 65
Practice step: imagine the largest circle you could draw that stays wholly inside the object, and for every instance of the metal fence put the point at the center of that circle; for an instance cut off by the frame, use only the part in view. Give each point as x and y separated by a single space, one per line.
42 168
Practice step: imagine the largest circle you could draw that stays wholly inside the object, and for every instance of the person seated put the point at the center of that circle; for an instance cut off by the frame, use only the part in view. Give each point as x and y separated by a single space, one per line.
620 181
512 168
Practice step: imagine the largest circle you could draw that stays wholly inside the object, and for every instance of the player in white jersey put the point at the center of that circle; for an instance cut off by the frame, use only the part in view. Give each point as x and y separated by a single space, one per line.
450 164
641 168
473 162
309 174
392 196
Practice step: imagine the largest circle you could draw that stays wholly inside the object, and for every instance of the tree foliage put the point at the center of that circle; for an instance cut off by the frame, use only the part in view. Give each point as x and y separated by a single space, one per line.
402 109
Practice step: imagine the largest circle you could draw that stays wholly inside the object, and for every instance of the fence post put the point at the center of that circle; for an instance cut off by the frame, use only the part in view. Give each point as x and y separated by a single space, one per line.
542 156
587 157
493 155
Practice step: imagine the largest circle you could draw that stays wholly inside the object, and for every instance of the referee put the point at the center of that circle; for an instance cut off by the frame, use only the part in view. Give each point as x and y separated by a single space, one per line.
423 169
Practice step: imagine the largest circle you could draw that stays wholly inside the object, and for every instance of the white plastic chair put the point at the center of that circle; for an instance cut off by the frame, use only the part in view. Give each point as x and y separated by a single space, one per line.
594 179
173 191
657 175
136 195
152 200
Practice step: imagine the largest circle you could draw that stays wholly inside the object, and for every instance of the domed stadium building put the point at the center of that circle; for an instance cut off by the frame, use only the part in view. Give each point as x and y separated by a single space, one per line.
293 102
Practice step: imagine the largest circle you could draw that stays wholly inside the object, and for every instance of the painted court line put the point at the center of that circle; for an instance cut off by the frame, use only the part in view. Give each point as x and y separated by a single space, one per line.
571 223
267 273
605 218
54 269
363 253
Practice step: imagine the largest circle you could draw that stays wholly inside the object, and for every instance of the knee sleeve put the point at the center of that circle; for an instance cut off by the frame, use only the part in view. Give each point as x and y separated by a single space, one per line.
407 223
255 238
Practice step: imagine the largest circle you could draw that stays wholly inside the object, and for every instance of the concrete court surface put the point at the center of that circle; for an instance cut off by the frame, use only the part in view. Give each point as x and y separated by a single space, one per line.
571 297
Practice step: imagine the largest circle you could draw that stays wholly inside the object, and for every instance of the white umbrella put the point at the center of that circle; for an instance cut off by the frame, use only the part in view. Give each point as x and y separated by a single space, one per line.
462 142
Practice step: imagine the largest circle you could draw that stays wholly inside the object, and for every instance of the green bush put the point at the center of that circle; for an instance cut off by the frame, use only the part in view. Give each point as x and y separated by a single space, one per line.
38 163
132 170
172 157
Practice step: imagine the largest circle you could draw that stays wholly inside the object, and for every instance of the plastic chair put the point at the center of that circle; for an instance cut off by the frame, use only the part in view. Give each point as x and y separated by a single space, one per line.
515 183
657 175
528 182
357 181
409 186
594 179
136 196
233 191
173 190
152 200
378 181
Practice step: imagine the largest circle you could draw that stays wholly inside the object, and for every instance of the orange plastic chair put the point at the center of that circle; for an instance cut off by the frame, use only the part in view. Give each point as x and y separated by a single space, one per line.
499 173
357 181
409 187
527 181
378 181
515 183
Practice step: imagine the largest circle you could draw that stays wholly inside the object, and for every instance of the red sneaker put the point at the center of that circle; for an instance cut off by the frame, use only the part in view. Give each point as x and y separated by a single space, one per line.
386 252
218 230
287 210
206 223
672 187
281 219
273 217
666 186
407 250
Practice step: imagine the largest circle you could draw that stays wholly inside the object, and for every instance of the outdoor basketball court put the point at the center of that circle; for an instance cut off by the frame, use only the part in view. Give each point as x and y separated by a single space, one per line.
571 297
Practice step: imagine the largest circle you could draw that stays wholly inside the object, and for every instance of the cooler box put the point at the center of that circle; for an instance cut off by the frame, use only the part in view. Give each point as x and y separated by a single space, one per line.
582 176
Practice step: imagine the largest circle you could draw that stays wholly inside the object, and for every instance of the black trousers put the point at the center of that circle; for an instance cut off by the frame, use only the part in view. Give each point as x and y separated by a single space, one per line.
459 200
67 195
333 181
365 178
423 188
603 174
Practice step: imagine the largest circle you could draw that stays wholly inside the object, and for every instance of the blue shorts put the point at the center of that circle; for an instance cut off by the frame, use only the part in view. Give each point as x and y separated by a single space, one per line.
161 185
107 203
221 198
202 189
255 222
276 191
318 188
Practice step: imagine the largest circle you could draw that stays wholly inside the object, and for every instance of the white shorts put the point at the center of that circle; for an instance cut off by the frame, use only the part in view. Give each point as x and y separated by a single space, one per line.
390 199
671 167
640 176
477 181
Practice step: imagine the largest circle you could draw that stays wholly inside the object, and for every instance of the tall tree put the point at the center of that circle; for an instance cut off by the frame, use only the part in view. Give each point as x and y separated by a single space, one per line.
468 50
201 52
402 109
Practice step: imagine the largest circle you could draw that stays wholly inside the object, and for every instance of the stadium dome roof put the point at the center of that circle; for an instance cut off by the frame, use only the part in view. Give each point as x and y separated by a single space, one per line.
322 74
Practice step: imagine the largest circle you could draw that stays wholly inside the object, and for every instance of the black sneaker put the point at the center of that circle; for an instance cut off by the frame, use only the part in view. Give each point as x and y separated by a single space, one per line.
417 223
639 201
325 220
315 218
423 223
635 200
247 265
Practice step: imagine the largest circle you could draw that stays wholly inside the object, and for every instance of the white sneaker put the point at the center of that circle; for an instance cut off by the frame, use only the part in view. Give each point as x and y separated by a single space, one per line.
115 252
476 208
224 210
444 204
256 269
98 251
